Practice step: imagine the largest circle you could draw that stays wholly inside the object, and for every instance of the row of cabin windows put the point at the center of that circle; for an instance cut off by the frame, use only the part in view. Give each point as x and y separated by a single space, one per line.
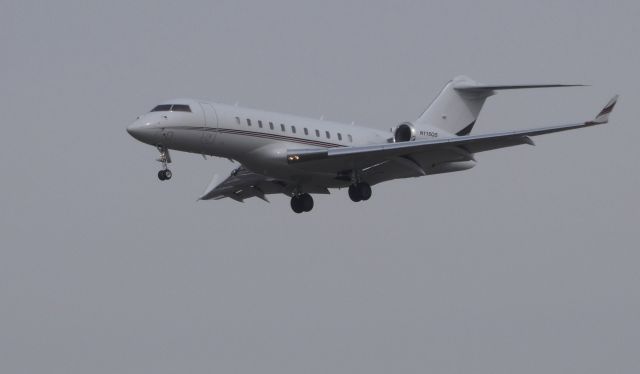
293 129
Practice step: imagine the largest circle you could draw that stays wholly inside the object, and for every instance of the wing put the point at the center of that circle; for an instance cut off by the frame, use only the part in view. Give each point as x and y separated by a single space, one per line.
374 154
243 184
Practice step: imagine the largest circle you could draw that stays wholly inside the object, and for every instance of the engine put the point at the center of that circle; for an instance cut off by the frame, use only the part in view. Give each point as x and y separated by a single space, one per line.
404 132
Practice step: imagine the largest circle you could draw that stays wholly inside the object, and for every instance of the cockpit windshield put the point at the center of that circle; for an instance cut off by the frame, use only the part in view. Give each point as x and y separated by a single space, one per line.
172 108
162 108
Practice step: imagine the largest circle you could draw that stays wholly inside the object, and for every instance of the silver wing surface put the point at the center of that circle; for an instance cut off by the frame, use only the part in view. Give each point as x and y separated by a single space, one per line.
379 155
243 184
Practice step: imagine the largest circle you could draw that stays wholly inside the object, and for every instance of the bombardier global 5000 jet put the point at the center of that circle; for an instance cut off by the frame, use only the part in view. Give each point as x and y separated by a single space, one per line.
298 157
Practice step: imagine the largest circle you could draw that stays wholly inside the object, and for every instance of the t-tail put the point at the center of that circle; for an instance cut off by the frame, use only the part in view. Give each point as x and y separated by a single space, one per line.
456 109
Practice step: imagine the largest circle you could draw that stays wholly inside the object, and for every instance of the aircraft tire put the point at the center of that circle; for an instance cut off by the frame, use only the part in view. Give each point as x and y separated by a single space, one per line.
365 191
296 204
167 174
354 193
161 175
307 202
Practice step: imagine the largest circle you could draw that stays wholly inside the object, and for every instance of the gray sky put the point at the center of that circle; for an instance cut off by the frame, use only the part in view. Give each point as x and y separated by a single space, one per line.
527 263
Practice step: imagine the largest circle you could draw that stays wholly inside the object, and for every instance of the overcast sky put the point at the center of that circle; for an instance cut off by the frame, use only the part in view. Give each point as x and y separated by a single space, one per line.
528 263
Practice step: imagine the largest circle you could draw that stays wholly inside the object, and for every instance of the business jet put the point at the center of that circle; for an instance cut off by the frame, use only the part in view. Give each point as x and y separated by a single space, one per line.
297 156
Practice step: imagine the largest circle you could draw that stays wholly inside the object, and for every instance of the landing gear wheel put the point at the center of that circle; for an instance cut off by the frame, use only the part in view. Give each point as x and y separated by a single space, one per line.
365 191
302 203
360 192
354 193
296 204
307 202
164 175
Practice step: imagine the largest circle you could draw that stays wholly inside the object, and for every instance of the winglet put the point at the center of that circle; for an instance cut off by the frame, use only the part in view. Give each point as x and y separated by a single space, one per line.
603 116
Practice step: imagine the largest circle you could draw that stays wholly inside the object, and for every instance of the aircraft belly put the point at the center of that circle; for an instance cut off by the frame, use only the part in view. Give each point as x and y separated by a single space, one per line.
376 171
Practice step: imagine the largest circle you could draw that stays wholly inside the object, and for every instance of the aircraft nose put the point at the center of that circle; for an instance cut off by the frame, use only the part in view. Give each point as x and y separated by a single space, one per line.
137 129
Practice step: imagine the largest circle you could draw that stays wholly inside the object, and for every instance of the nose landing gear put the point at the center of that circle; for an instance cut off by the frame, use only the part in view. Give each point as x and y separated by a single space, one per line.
302 203
165 173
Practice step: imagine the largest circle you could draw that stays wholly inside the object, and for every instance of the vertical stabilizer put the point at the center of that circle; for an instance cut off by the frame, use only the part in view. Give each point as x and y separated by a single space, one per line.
455 110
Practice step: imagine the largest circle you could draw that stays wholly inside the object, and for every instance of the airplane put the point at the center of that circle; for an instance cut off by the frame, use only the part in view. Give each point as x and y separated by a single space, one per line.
296 156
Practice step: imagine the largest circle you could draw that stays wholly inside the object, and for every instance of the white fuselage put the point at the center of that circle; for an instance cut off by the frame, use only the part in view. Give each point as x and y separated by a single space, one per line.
260 139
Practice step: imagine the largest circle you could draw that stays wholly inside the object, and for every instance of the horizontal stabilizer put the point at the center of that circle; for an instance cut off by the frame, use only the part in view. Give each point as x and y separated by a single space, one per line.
478 87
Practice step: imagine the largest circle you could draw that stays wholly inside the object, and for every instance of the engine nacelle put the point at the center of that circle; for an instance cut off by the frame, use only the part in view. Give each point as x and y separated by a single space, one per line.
404 132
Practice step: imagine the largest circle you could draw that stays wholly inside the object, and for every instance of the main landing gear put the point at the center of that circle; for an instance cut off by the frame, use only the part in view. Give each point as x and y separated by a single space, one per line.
165 173
302 203
360 192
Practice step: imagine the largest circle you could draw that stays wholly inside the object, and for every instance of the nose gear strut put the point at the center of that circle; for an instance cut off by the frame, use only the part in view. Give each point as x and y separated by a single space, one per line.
165 158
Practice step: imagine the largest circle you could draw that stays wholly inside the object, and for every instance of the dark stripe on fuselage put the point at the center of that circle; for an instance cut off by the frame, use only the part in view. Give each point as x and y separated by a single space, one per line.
279 137
263 135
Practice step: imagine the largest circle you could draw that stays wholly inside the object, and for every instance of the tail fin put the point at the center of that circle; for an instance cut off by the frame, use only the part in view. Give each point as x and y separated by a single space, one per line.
458 105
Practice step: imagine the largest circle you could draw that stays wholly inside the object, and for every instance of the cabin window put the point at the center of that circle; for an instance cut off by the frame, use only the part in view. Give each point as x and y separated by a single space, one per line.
293 129
238 120
328 134
306 131
282 127
318 133
271 125
248 122
259 123
350 138
339 136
